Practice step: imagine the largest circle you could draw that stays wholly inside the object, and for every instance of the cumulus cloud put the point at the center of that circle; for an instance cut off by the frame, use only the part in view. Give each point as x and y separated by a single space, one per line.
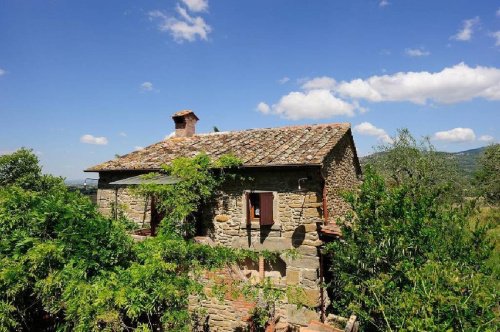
123 134
2 72
467 30
319 83
90 139
496 35
263 108
314 104
417 52
486 138
366 128
283 80
324 97
147 86
383 3
451 85
498 12
184 27
196 5
138 148
456 135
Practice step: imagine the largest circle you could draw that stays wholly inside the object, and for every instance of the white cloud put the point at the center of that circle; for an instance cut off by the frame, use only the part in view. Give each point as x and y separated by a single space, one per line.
417 52
2 72
172 134
456 135
383 3
314 104
147 86
498 12
196 5
320 83
451 85
283 80
123 134
366 128
486 138
90 139
263 108
323 97
496 35
467 30
138 148
184 27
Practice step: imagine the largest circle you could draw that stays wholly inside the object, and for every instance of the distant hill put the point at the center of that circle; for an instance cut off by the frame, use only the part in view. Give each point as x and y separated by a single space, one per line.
467 160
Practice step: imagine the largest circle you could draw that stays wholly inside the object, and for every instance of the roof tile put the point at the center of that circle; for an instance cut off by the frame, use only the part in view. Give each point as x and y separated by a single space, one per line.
285 146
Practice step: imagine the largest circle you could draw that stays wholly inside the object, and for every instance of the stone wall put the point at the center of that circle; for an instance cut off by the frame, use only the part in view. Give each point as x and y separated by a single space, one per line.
133 207
297 217
341 172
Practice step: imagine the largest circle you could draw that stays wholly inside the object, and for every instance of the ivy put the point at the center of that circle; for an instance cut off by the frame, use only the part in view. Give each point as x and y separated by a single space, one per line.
200 179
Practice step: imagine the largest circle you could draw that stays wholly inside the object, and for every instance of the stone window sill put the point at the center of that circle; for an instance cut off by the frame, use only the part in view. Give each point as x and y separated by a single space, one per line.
256 225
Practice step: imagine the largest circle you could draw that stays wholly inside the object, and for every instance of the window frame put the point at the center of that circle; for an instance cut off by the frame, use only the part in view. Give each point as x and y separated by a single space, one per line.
250 219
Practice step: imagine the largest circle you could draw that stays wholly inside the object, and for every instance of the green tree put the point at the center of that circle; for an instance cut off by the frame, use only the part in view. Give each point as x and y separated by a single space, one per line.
411 161
21 168
64 266
408 261
487 178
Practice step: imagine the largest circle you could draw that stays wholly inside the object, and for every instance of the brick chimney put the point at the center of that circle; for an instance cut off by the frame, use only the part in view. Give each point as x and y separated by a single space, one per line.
185 123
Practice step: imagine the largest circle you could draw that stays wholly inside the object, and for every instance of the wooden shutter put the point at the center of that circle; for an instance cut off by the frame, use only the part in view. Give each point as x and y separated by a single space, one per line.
266 208
248 205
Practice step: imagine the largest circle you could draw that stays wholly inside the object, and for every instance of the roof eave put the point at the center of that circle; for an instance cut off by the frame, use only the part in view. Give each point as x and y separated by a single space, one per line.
90 170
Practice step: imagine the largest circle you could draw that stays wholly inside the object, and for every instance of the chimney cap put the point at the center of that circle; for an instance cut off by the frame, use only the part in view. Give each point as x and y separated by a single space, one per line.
184 113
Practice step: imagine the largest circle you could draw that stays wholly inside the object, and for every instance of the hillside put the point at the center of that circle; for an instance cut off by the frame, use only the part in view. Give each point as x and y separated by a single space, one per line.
467 160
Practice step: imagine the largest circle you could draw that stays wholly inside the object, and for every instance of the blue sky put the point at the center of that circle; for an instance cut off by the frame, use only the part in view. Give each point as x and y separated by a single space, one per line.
83 81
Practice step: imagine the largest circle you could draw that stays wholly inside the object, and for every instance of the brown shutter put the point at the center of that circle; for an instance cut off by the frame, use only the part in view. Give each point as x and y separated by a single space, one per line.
248 205
266 208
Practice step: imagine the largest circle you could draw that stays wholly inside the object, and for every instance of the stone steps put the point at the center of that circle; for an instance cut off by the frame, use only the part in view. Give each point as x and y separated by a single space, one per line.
317 326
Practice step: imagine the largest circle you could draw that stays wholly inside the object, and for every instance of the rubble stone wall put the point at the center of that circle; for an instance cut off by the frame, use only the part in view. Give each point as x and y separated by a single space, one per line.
341 172
133 207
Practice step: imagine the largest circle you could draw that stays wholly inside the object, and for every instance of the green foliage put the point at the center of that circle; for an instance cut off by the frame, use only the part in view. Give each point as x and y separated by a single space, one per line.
408 261
64 266
407 160
266 295
21 168
415 255
487 178
200 179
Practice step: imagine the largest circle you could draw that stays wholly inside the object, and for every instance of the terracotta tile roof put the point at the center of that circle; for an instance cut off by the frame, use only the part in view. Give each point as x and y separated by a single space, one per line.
285 146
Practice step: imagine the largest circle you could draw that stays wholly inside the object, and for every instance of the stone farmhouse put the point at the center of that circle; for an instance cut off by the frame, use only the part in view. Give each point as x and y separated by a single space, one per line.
298 174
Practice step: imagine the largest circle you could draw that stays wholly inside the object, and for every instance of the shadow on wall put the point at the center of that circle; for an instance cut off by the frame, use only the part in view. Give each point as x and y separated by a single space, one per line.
264 233
298 236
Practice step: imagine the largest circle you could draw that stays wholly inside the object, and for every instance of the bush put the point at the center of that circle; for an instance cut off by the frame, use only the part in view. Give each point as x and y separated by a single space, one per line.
408 261
65 267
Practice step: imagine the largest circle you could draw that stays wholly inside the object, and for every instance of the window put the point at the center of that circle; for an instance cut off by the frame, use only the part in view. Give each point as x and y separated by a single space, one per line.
257 270
260 208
